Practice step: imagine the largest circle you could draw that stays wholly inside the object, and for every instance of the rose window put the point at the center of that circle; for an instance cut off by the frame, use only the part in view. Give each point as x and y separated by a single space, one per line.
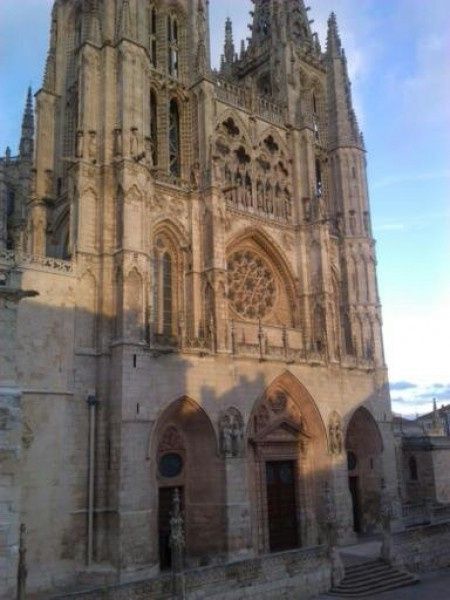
251 285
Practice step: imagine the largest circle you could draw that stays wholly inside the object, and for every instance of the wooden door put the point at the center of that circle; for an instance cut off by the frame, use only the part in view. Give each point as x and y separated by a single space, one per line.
354 491
164 513
281 505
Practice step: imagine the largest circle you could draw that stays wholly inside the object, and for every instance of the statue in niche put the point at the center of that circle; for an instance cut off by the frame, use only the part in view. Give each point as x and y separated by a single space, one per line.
149 152
260 196
287 205
117 142
49 182
238 192
248 199
231 426
134 143
269 199
80 145
335 435
92 150
352 220
195 174
366 223
217 170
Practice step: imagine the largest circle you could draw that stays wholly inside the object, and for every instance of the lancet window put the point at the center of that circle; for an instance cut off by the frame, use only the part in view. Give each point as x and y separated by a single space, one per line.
165 297
174 140
173 45
152 48
154 126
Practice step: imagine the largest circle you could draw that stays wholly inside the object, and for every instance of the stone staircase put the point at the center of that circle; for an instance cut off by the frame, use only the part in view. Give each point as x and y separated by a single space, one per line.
370 578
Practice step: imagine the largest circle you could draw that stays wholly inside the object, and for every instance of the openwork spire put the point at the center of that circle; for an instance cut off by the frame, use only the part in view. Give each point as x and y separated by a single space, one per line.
344 128
50 63
334 46
229 52
26 140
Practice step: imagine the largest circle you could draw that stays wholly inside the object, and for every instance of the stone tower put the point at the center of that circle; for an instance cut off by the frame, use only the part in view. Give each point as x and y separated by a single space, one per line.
202 248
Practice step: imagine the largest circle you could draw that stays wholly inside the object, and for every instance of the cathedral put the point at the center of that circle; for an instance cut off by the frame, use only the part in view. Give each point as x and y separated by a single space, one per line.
192 375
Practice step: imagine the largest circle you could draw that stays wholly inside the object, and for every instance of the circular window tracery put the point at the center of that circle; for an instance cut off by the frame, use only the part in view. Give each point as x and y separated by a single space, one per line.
251 285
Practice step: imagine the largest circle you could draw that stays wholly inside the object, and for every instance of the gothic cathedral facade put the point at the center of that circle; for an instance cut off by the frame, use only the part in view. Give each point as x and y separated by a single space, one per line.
199 314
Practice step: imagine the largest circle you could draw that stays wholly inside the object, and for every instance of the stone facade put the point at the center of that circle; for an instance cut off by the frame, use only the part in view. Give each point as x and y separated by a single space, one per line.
208 305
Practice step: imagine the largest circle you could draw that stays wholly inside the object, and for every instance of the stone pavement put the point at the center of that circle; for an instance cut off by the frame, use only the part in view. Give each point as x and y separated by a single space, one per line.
434 585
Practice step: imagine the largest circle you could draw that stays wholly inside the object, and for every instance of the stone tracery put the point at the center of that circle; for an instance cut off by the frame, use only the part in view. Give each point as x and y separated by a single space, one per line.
251 284
255 181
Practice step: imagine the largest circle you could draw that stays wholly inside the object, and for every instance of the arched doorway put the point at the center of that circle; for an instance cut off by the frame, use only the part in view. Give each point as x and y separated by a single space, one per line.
187 460
288 463
364 447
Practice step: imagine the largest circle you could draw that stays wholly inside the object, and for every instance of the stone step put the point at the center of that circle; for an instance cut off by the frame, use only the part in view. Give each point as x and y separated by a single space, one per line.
369 578
370 575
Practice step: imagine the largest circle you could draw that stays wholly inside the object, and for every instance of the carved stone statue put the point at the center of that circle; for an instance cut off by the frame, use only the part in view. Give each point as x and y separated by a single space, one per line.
80 144
134 142
92 150
231 427
335 435
117 142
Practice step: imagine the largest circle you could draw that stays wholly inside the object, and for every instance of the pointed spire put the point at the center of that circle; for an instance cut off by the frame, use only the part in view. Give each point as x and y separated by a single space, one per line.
50 64
26 140
334 45
344 128
229 51
242 52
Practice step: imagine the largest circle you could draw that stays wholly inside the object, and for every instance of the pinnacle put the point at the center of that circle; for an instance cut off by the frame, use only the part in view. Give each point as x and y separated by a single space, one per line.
28 115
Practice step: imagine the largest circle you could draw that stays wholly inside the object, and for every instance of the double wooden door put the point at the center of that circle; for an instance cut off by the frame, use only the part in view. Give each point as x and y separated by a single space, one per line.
281 505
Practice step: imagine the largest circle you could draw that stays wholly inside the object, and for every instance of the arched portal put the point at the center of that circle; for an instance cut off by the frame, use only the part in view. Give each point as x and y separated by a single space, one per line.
186 458
288 463
364 447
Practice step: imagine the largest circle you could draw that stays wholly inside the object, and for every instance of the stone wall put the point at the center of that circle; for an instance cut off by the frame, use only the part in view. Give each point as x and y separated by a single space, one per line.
10 452
423 548
293 574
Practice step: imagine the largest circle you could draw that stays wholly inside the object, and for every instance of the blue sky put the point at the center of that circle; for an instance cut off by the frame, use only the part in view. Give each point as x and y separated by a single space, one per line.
399 61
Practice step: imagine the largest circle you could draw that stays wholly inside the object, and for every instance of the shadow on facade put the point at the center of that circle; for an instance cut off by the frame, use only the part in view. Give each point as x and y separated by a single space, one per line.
260 463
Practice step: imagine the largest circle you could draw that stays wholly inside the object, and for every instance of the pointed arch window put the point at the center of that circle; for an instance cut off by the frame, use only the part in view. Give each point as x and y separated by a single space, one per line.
174 140
154 126
167 299
318 178
173 46
152 23
166 290
413 474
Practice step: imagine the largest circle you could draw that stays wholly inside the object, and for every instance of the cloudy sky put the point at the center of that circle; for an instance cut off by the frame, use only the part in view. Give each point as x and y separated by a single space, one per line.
398 52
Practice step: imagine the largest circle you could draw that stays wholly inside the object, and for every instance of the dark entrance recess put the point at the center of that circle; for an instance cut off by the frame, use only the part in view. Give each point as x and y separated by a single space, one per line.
281 505
165 509
354 491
